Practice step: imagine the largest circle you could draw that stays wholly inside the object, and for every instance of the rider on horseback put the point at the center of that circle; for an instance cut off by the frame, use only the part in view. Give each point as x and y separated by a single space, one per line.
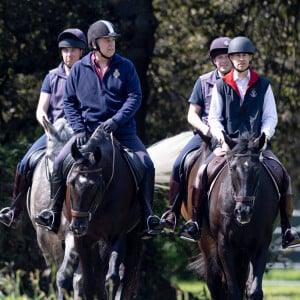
103 88
197 117
243 101
71 43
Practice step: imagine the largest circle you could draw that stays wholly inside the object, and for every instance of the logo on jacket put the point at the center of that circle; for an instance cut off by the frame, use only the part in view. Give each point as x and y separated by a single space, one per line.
253 93
116 73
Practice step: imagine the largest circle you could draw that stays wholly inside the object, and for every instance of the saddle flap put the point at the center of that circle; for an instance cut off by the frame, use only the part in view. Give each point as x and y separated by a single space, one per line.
214 167
276 172
136 166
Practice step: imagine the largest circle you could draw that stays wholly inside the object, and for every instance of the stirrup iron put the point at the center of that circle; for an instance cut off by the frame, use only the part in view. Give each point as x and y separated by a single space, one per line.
153 231
190 239
6 210
294 243
53 217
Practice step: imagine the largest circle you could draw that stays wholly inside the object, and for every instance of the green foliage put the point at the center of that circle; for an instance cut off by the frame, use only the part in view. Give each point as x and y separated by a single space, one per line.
12 285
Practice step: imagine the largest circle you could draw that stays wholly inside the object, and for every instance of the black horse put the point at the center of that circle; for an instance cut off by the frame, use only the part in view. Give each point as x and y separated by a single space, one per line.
241 213
104 208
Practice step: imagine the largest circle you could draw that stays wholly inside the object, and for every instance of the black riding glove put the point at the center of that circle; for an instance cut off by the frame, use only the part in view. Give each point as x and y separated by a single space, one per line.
81 138
109 125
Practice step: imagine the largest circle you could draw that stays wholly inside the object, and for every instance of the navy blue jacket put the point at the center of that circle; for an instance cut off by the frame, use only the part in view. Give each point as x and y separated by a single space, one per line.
88 101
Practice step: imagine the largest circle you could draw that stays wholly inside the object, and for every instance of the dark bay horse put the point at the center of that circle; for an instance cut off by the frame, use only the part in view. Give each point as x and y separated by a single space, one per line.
104 207
238 223
58 249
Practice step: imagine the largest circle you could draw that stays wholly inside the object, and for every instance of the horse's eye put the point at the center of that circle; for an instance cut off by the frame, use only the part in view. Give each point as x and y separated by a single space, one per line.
232 166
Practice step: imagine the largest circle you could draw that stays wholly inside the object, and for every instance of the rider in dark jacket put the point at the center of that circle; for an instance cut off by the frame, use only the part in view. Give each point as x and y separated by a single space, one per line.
102 89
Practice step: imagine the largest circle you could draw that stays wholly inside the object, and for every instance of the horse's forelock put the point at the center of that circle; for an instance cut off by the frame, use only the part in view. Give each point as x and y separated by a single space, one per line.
244 143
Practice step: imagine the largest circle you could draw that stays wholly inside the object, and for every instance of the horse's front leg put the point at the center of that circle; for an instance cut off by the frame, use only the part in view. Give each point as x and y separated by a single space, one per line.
65 274
212 268
92 267
226 255
255 291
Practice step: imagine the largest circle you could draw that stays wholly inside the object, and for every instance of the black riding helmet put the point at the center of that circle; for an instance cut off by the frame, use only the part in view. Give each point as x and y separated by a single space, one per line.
100 29
72 38
241 44
219 46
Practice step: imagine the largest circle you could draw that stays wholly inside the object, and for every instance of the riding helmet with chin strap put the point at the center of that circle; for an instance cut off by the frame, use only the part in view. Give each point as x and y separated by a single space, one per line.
100 29
72 38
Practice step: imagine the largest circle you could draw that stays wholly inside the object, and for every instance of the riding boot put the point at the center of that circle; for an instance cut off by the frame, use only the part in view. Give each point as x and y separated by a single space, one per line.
191 229
169 218
10 216
290 237
152 224
50 218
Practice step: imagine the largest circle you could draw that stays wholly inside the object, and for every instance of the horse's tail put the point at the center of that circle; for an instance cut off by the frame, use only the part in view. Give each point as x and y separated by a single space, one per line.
198 266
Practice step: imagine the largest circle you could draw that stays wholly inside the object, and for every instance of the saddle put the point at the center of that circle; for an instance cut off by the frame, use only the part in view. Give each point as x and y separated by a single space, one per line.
32 163
214 167
273 167
187 163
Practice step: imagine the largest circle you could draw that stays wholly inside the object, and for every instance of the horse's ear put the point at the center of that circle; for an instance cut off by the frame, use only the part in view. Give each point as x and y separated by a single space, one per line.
47 125
206 138
76 154
228 140
97 154
50 129
262 141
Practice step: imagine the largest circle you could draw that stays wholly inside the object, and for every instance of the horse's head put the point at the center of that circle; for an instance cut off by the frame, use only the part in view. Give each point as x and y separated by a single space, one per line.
244 169
87 181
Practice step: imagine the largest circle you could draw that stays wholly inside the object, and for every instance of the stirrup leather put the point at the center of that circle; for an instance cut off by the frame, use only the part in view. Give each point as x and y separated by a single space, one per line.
5 210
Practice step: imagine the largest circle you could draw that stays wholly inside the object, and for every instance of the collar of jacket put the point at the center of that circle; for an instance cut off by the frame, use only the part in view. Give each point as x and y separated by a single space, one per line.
228 78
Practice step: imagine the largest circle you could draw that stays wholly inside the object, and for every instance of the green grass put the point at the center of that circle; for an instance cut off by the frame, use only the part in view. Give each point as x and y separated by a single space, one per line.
277 285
